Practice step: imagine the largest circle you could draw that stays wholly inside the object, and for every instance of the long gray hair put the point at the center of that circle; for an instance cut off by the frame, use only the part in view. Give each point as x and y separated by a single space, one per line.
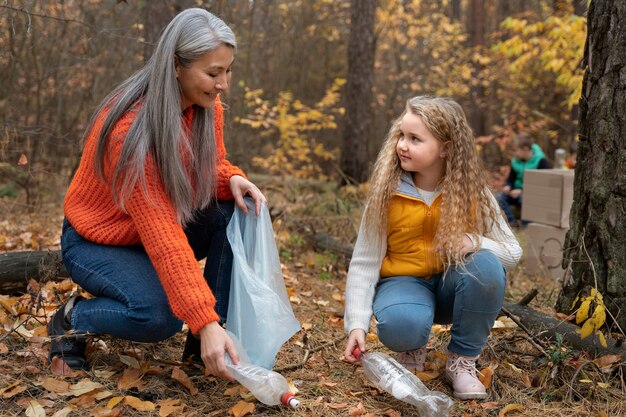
157 128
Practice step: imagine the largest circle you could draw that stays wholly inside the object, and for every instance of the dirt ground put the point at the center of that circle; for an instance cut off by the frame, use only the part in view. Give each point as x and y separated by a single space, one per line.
135 379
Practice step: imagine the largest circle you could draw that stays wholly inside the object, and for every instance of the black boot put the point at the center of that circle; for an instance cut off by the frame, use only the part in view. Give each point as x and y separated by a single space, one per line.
191 352
69 347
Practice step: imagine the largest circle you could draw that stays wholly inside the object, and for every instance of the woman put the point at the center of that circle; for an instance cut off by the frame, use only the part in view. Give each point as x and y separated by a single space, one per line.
153 193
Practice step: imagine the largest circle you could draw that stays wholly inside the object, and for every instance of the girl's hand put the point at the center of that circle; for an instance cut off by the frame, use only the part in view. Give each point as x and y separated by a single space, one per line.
468 246
240 187
213 343
356 339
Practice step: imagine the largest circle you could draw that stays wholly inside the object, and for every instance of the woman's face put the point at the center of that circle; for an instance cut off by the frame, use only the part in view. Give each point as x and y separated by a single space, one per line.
205 78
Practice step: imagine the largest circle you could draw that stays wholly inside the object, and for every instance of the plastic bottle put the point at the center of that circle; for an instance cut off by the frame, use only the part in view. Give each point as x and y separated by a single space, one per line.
388 375
269 387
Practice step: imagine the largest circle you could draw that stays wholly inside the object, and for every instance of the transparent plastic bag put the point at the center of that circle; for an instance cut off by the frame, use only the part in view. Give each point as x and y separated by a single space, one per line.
259 311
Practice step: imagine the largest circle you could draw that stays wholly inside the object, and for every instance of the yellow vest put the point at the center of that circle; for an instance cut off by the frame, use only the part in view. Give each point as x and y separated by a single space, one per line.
411 228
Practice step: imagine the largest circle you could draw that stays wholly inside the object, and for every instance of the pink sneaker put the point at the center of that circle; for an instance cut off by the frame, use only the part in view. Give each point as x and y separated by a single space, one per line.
413 360
461 372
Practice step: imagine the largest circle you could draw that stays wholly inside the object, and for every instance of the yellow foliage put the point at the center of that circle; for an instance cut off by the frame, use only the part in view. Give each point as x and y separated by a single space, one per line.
292 123
554 47
592 323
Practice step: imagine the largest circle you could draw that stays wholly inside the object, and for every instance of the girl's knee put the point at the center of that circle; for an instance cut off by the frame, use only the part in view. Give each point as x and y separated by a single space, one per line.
488 268
400 331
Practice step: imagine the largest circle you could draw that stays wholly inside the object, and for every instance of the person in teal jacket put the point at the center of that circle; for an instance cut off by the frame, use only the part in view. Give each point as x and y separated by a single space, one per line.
527 155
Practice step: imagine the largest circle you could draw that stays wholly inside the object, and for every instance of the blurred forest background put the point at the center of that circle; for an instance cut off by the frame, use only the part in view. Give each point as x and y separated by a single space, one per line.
512 64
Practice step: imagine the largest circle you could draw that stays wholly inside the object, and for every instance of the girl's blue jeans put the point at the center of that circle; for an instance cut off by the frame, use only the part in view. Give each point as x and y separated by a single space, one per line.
130 302
470 298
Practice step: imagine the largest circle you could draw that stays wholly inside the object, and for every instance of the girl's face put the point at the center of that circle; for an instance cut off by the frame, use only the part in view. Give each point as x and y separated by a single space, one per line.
205 78
418 150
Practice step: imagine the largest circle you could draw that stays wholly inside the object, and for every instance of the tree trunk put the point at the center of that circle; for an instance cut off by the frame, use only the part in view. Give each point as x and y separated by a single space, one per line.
476 30
594 246
358 90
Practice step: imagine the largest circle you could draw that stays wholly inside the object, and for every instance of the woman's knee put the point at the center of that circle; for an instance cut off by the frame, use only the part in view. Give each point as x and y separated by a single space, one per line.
401 330
155 324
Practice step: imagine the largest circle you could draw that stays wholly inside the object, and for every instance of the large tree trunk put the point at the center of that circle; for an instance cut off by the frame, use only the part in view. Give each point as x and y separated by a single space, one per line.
358 91
476 30
595 244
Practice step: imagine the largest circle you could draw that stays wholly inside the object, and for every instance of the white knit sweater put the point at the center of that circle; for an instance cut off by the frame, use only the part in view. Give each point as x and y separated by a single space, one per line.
367 258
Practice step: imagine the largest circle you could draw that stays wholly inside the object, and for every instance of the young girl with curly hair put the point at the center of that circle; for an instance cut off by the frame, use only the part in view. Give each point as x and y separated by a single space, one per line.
433 246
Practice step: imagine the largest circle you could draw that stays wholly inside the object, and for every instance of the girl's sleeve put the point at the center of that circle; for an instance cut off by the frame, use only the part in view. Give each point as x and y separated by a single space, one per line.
225 170
501 240
363 274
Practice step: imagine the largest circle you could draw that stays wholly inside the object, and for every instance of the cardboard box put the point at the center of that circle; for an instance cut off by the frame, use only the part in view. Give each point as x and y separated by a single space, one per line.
548 196
544 251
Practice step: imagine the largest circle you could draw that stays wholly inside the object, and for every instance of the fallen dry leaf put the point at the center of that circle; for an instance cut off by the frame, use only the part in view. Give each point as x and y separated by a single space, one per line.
242 408
82 387
59 367
4 349
390 412
35 409
14 390
180 376
130 378
426 376
511 407
307 326
23 160
337 406
114 402
169 407
605 362
488 405
233 391
139 405
54 385
359 410
484 376
64 412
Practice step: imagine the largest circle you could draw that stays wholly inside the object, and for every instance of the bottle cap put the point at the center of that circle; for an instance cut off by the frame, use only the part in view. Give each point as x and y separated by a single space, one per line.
290 400
357 352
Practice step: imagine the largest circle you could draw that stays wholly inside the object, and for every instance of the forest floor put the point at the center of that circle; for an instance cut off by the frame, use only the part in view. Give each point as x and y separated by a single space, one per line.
140 379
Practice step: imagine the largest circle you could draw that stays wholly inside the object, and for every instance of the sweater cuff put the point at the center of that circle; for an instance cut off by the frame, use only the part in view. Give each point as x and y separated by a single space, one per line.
200 318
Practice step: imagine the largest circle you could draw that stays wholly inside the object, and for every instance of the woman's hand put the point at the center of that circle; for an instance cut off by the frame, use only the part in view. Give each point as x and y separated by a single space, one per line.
213 343
240 187
356 339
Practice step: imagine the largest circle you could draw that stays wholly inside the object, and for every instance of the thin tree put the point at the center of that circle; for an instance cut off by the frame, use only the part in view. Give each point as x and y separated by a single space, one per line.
358 91
595 246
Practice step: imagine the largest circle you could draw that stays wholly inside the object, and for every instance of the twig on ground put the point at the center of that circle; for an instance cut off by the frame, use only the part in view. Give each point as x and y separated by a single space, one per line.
307 354
532 339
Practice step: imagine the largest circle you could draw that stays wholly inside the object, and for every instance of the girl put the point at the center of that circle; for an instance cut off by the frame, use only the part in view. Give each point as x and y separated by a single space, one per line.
432 247
154 193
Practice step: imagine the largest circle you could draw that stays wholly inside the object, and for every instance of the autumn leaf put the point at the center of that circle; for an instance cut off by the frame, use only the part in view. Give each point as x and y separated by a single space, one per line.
139 405
426 376
59 367
169 407
130 378
337 406
82 387
511 407
35 409
64 412
114 401
180 376
359 410
242 408
54 385
4 349
605 362
233 391
23 160
390 412
485 376
13 390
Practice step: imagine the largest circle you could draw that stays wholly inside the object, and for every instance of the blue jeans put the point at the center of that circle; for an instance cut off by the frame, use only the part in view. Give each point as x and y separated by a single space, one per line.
470 298
130 302
506 201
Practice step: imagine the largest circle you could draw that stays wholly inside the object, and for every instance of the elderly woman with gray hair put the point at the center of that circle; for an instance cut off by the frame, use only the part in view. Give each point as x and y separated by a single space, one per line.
152 195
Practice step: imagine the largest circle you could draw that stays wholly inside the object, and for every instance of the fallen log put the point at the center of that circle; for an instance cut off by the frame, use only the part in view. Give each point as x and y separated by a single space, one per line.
546 327
16 268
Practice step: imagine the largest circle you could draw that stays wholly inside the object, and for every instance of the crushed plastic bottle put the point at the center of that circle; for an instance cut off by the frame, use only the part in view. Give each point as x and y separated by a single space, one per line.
269 387
388 375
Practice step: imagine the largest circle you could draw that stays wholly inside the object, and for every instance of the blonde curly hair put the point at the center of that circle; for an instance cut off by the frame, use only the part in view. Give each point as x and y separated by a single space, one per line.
466 203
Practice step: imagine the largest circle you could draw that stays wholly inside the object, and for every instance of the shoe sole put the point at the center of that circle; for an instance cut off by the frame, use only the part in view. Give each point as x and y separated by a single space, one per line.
470 395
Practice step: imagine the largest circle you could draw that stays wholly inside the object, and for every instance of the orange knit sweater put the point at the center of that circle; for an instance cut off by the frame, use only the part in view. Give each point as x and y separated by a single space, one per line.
151 222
